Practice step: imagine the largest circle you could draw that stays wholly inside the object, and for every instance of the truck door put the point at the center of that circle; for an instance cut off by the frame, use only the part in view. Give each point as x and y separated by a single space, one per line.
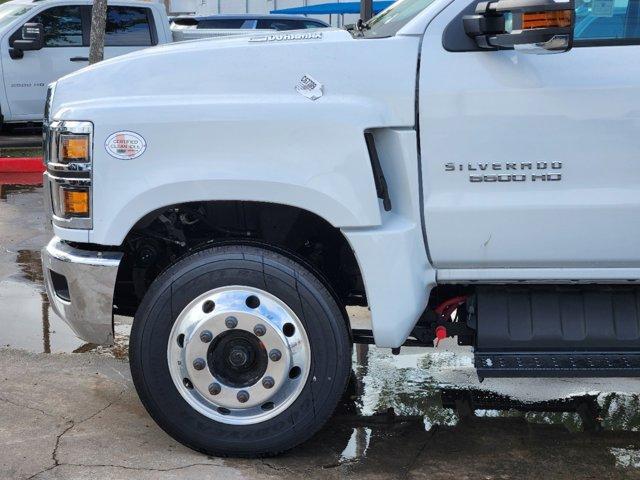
532 161
26 78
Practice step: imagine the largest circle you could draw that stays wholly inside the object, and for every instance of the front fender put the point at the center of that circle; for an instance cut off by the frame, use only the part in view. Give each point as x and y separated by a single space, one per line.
287 151
147 201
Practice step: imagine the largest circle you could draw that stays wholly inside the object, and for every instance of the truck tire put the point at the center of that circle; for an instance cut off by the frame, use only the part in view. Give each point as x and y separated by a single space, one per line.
239 351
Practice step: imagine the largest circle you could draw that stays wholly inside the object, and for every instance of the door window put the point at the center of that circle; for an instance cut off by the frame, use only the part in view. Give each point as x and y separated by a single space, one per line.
62 26
128 26
607 20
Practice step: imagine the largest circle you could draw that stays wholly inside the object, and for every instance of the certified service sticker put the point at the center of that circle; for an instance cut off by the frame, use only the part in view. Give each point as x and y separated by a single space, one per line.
125 145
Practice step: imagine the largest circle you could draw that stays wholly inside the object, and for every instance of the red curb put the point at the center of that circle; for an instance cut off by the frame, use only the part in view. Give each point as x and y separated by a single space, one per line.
21 165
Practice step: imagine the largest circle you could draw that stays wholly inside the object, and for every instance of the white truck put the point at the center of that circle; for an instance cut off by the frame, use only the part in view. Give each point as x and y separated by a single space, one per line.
234 196
57 43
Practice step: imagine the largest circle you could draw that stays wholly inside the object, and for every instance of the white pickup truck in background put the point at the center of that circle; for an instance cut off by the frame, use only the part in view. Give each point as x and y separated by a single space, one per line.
27 69
62 46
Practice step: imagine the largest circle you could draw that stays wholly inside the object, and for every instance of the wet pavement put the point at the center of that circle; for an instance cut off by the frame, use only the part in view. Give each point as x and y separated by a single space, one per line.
421 414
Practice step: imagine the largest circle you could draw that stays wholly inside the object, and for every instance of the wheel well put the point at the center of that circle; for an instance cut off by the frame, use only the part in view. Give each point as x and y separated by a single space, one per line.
162 237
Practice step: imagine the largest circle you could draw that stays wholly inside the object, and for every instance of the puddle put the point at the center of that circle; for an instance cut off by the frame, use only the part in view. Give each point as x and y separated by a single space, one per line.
626 457
27 321
398 420
357 446
408 385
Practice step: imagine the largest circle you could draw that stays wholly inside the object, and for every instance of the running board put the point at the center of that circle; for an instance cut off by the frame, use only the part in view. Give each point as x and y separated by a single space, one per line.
564 364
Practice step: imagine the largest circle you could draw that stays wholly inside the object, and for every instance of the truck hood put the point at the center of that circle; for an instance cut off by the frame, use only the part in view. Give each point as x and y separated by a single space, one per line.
232 64
255 67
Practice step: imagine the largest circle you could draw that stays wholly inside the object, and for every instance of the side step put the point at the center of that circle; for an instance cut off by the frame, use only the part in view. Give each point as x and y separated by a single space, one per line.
557 331
543 364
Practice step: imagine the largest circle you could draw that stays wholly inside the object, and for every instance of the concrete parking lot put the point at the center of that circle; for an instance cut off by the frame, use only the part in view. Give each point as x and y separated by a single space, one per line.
69 409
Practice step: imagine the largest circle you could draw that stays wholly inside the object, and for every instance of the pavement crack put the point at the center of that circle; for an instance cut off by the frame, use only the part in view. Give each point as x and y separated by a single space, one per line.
28 407
70 425
111 403
54 453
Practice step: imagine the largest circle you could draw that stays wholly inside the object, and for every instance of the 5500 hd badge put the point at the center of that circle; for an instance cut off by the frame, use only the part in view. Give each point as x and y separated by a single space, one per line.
509 171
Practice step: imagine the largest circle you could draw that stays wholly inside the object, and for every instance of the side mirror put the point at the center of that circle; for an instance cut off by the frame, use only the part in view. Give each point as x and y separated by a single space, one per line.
32 39
533 26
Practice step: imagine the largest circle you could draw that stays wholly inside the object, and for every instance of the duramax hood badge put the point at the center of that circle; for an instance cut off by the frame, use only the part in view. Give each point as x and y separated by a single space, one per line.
125 145
281 37
309 87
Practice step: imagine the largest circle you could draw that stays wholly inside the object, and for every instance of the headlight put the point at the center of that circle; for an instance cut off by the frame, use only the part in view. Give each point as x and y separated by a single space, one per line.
68 156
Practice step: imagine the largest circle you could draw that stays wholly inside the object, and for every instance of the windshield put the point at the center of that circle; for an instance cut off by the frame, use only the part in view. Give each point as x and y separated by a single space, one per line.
389 21
9 12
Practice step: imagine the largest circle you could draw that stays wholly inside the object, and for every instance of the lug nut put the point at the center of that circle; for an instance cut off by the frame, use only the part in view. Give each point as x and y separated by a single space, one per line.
275 355
199 363
231 322
215 388
208 306
268 382
243 396
206 336
259 330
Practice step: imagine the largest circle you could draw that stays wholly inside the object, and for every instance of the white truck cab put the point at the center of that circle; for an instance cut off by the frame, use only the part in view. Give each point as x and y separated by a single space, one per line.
463 168
25 74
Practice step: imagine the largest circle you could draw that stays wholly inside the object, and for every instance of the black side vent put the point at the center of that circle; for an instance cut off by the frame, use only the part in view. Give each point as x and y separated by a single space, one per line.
378 174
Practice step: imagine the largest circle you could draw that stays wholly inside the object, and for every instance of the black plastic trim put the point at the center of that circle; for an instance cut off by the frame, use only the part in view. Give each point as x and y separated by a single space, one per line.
60 286
378 175
455 39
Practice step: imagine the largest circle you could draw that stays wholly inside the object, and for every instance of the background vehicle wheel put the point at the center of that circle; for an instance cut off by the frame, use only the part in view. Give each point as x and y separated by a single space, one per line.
237 350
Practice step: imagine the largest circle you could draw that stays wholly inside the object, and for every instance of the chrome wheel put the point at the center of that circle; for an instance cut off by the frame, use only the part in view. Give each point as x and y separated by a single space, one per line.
238 355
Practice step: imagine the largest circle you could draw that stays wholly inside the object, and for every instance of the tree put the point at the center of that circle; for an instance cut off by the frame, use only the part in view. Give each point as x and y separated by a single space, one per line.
98 26
366 9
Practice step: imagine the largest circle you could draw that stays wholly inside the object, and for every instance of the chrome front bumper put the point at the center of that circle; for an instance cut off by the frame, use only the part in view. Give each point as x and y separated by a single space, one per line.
80 285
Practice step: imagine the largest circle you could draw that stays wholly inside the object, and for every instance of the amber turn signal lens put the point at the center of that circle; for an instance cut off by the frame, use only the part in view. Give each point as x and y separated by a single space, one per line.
74 148
556 19
75 202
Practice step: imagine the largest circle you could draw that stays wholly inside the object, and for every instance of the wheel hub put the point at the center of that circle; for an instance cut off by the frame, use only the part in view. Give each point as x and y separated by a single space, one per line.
238 358
256 350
